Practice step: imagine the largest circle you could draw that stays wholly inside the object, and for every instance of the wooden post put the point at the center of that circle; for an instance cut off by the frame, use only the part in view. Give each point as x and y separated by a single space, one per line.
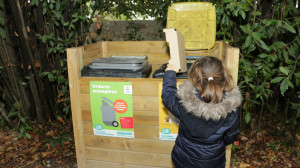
104 49
231 61
74 60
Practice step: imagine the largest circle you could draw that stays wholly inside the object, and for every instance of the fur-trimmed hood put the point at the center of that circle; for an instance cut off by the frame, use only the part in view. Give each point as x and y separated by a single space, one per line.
187 94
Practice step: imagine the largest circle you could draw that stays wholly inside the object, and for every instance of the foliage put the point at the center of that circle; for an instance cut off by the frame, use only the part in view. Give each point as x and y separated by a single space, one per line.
65 25
268 39
269 49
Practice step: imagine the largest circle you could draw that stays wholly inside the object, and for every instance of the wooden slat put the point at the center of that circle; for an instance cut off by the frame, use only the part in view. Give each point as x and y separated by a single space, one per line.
97 164
215 51
92 46
140 131
140 103
74 63
140 86
129 144
104 49
140 118
90 59
136 46
91 52
148 159
231 62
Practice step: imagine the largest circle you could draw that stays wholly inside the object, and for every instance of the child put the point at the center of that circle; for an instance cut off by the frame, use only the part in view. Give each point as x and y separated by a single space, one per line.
206 106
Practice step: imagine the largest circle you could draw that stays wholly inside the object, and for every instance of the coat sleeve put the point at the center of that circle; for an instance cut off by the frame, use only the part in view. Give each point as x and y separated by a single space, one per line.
169 93
234 130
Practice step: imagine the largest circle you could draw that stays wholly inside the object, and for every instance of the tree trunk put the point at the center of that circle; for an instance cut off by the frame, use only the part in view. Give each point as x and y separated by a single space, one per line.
27 52
11 77
42 54
266 8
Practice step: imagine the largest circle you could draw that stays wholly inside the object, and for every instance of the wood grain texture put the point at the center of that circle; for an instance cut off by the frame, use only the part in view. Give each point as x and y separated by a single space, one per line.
136 46
74 57
140 131
140 117
140 86
140 103
145 150
129 144
103 164
129 157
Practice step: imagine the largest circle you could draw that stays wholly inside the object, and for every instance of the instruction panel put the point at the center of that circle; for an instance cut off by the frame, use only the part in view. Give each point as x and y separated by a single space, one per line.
111 108
168 123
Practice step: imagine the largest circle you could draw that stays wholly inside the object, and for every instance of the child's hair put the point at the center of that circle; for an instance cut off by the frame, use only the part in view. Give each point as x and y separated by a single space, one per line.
211 79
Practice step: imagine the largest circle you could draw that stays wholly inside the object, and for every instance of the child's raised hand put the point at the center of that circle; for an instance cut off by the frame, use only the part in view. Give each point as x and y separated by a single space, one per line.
169 67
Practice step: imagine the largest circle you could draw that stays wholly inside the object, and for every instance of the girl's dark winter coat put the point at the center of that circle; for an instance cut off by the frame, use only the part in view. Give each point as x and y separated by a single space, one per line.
205 129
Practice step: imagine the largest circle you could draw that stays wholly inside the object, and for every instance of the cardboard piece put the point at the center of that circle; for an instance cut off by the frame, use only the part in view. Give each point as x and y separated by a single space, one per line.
177 49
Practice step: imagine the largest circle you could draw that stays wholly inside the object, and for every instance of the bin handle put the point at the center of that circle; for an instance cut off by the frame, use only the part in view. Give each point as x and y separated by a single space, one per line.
109 101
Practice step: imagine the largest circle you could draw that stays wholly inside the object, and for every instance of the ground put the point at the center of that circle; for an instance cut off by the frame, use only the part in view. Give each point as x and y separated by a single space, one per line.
275 145
52 145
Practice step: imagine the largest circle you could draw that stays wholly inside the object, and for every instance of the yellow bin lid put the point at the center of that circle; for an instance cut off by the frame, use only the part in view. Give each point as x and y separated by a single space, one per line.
196 21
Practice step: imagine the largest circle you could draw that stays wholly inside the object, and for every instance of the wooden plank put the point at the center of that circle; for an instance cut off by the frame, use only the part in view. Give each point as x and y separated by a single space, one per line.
90 59
215 51
129 144
140 103
74 57
220 50
93 46
97 164
136 46
128 157
231 62
139 85
140 131
91 52
140 118
104 49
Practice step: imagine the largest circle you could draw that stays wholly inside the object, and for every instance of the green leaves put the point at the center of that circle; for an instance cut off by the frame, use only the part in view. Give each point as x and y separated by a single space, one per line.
247 117
2 33
283 86
257 38
289 27
2 21
284 70
34 2
276 80
2 30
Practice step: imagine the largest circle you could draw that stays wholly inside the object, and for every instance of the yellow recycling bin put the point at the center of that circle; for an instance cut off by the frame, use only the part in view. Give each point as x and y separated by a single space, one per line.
196 21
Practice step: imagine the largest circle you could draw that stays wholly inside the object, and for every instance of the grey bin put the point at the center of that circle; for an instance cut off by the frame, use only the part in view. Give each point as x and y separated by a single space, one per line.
118 66
108 112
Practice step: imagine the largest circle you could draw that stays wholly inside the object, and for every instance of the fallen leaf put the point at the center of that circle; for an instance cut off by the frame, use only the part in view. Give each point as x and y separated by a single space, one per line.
244 165
50 133
243 138
28 29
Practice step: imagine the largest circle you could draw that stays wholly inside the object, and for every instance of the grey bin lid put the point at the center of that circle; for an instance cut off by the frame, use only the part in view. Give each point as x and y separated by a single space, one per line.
120 62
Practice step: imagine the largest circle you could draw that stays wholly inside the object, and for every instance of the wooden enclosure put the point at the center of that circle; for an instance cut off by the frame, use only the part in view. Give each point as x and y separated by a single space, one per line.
145 150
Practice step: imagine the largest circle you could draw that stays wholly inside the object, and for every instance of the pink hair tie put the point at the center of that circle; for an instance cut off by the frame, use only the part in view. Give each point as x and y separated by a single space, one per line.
210 78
